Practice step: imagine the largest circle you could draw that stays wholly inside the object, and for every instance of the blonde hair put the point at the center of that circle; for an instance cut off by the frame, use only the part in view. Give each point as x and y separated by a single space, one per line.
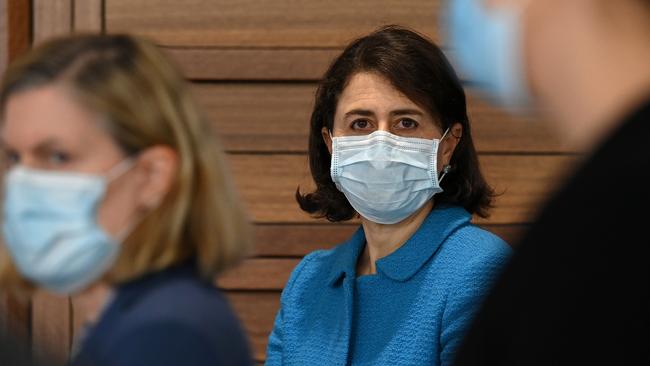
146 102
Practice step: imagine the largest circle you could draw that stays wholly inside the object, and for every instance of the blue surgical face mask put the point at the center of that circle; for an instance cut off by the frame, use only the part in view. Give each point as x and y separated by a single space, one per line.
488 47
385 177
50 226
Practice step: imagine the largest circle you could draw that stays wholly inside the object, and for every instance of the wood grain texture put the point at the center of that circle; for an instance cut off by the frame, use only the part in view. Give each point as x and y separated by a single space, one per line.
274 117
87 15
270 64
19 27
256 311
268 184
278 23
51 326
297 240
252 64
4 35
258 274
14 316
52 18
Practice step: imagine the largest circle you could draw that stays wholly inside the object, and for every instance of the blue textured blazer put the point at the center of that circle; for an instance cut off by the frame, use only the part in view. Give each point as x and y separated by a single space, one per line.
414 311
166 318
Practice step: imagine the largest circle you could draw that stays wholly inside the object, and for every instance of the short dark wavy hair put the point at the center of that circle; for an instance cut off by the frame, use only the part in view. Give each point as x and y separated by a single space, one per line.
418 69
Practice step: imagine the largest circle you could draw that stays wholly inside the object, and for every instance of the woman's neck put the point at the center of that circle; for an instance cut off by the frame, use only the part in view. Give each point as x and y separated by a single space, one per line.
91 301
384 239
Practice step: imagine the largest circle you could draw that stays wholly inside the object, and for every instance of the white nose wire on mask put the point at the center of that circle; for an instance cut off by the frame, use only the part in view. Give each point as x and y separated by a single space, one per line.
331 133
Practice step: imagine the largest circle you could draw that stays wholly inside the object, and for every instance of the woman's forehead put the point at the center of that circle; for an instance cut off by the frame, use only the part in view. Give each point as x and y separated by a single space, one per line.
48 113
371 91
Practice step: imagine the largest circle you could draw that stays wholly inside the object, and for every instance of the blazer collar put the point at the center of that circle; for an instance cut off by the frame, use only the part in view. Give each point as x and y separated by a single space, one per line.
408 259
345 257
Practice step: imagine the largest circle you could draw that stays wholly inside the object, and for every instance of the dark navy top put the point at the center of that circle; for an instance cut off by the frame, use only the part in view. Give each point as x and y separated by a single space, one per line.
167 318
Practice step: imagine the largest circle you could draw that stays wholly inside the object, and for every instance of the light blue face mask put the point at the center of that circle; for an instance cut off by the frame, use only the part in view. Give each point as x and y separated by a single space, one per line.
50 226
488 47
385 177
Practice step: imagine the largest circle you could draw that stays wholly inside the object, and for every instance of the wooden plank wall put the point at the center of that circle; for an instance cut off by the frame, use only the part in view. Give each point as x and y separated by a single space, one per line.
253 66
4 35
14 39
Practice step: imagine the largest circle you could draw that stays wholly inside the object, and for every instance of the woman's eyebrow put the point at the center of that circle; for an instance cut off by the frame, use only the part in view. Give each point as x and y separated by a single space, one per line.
405 111
360 112
47 145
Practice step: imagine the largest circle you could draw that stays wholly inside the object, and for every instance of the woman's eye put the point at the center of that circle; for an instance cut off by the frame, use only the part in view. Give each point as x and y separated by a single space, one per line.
407 123
58 157
360 124
11 158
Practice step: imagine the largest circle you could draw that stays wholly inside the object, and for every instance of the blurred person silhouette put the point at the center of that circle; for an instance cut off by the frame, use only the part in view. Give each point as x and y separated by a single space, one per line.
577 290
115 180
390 142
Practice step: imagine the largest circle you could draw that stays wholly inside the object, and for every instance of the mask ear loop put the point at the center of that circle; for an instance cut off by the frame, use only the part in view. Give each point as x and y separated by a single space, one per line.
120 169
447 168
115 172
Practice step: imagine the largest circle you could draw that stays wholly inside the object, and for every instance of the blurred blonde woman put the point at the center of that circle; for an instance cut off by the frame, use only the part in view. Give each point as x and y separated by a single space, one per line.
114 178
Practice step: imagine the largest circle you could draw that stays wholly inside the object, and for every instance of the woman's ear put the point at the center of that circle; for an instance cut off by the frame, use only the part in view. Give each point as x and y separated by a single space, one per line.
449 143
327 138
157 167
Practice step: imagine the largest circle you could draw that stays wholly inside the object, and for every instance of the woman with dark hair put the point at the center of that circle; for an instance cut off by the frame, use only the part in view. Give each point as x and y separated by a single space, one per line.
389 123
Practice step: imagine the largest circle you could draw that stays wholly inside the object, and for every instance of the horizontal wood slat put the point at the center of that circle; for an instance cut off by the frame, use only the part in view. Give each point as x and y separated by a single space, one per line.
278 23
261 117
253 64
258 274
281 240
268 184
267 64
297 240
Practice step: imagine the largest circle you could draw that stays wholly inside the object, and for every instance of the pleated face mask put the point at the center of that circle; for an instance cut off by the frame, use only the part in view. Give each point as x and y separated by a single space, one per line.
385 177
488 45
51 230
